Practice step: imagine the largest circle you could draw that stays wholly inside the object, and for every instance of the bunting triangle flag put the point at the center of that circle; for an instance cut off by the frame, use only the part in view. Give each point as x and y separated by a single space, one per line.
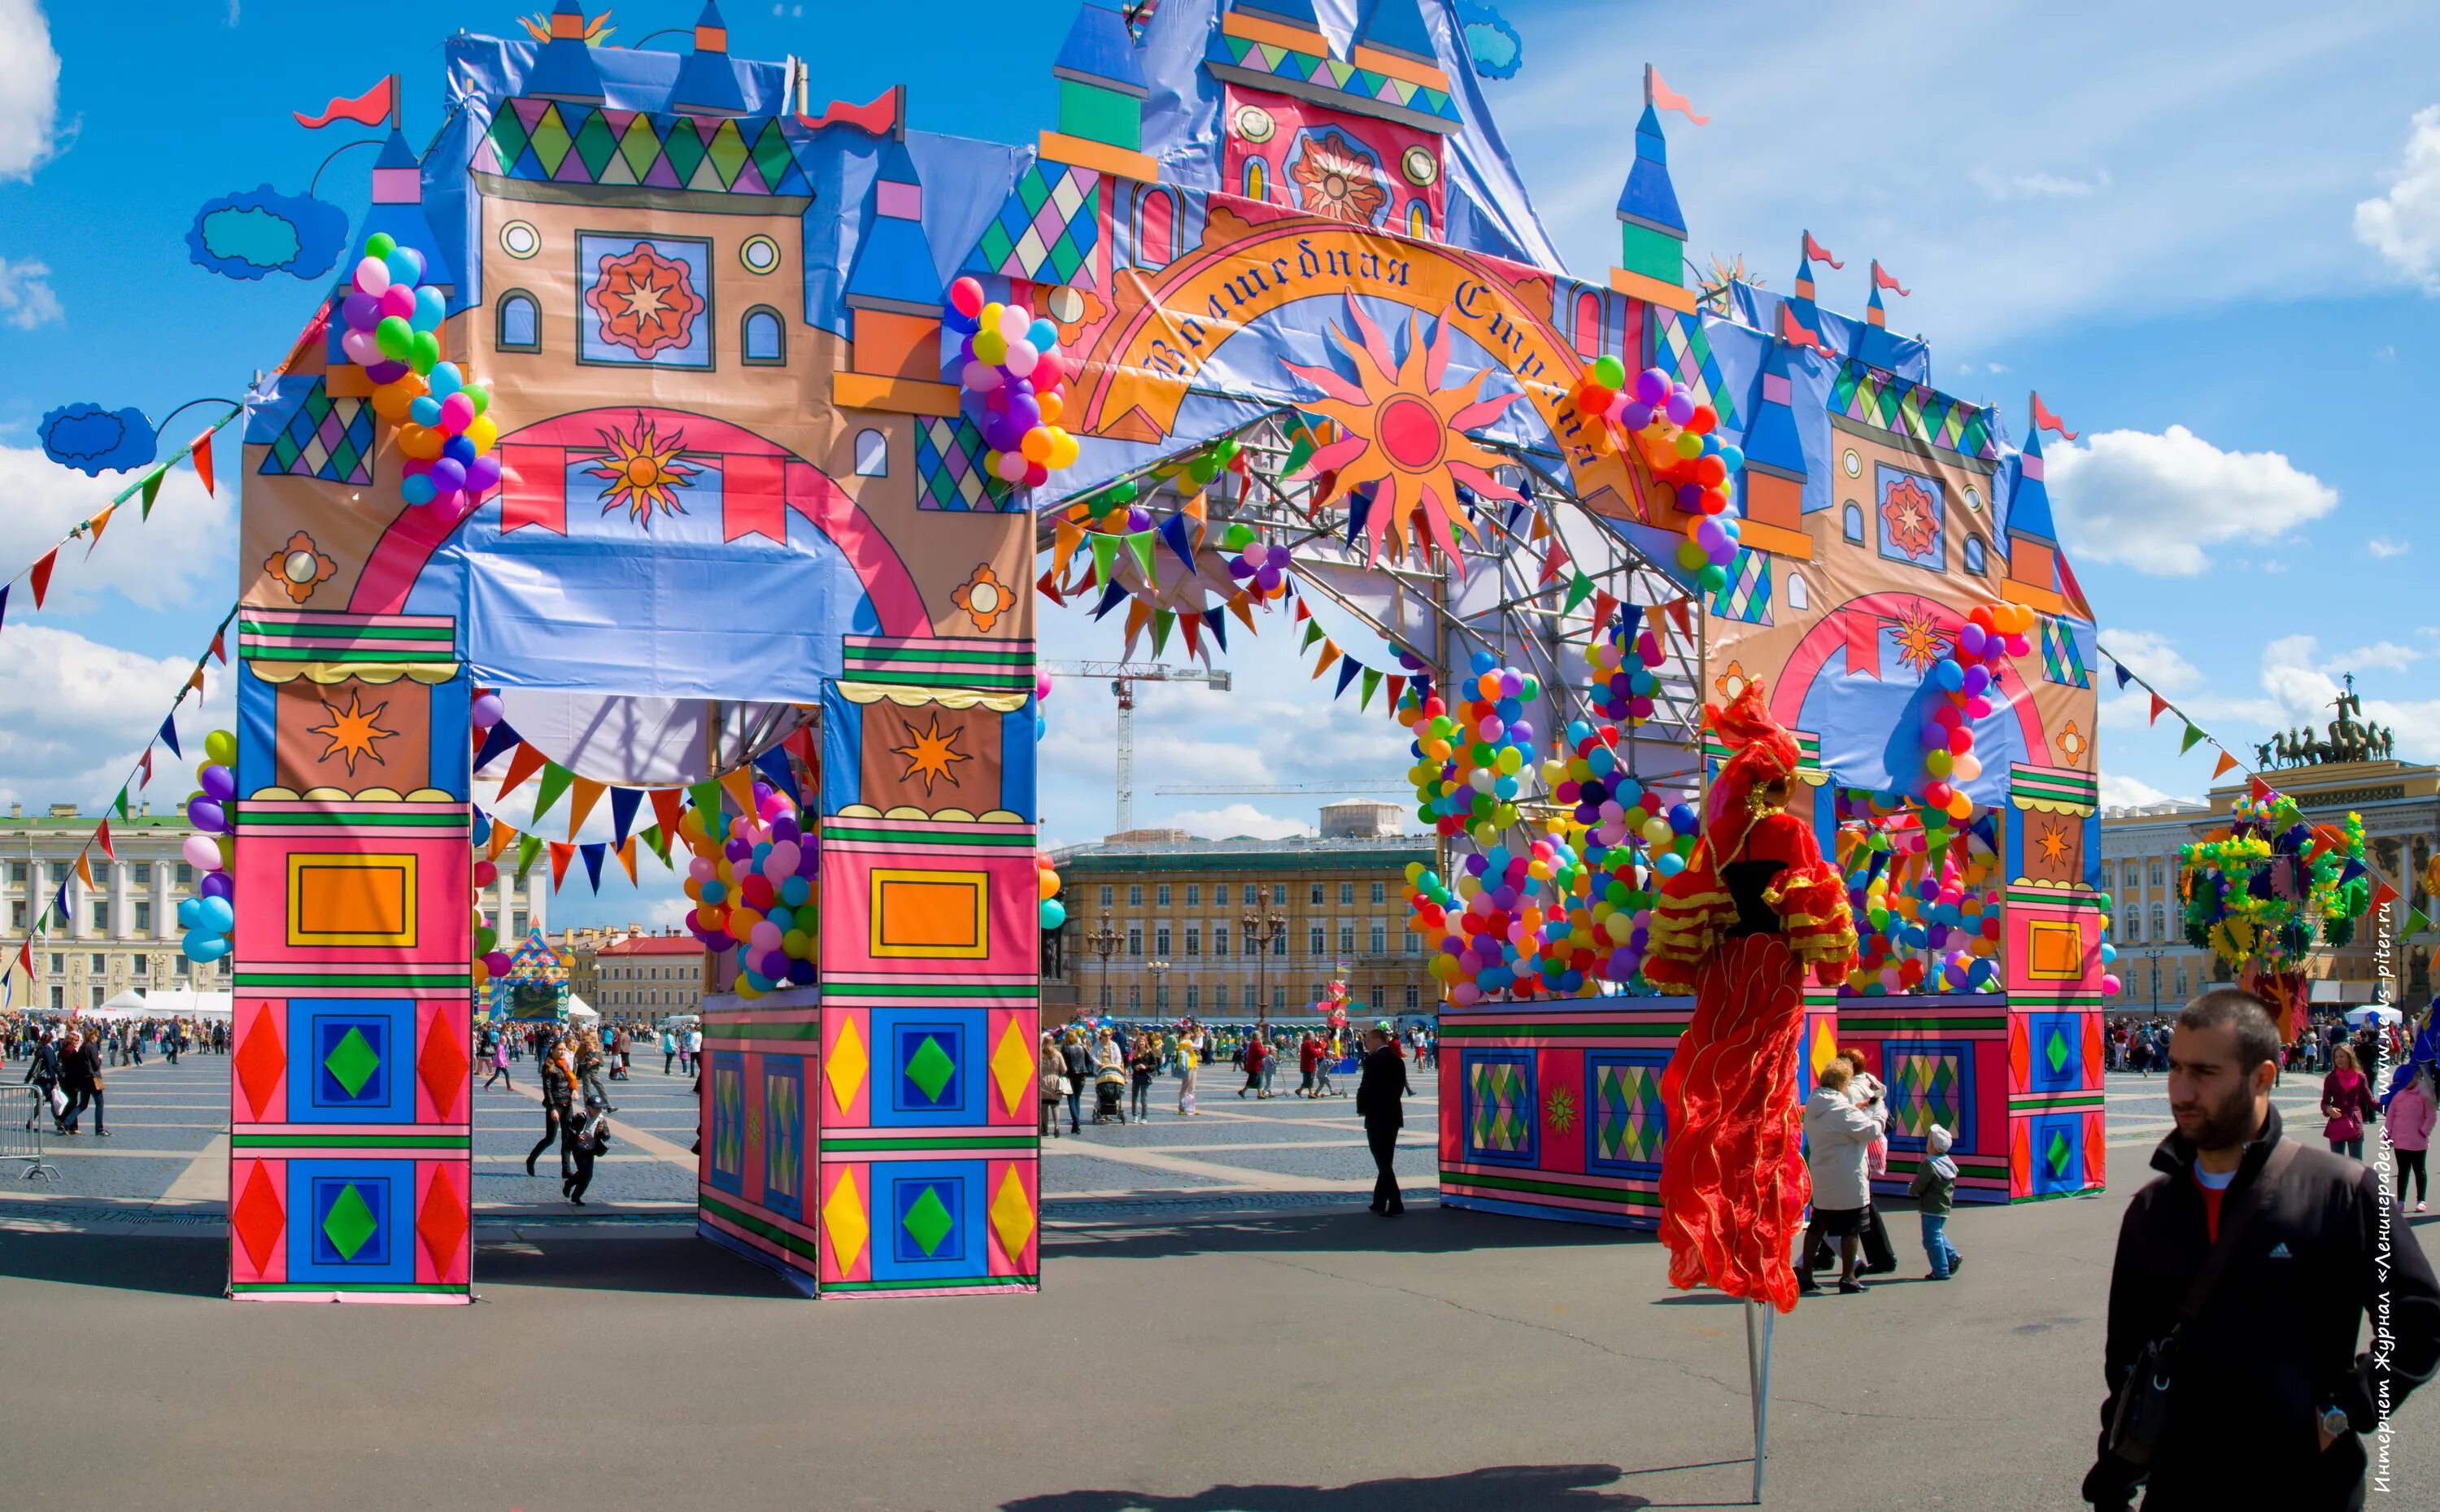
42 575
2415 922
1106 555
1113 594
739 785
1311 634
2258 789
2223 765
1138 616
560 853
624 803
555 781
1579 588
84 870
99 523
168 736
2123 675
496 740
203 460
625 851
593 853
1163 621
2382 896
1190 625
3 603
529 847
1065 537
1678 615
1242 605
102 834
1330 653
120 803
2160 706
220 645
501 836
1397 688
667 806
1219 628
1198 510
153 490
1604 607
2187 742
1347 670
588 793
1172 530
773 764
1303 613
194 684
1047 586
522 765
1371 686
1140 545
658 840
147 766
801 744
1553 559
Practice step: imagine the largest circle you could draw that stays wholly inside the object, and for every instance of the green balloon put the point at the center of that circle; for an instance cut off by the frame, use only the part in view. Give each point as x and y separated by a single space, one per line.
380 245
1712 579
423 350
1238 536
478 395
395 338
1610 373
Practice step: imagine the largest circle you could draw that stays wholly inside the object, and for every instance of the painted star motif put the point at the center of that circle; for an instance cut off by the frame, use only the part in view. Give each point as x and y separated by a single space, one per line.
352 733
931 754
2054 846
1559 1112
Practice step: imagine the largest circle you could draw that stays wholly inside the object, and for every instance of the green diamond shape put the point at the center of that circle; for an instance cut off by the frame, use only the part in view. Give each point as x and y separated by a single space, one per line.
2056 1052
930 1069
684 148
352 1061
551 143
350 1223
2056 1154
928 1221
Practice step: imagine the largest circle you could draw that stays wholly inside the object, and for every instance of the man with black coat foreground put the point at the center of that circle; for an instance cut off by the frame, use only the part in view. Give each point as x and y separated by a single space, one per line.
1377 1094
2267 1398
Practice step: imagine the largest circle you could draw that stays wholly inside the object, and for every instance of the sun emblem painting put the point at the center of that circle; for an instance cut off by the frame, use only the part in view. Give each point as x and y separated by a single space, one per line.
352 731
930 753
642 469
1338 180
1403 434
1919 639
1910 518
643 301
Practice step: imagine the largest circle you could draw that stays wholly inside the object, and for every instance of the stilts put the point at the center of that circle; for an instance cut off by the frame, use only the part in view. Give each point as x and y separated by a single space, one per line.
1758 1377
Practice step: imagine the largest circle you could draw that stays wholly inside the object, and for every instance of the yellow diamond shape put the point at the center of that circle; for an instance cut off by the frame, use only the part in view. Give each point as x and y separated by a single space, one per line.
1012 1067
1012 1217
843 1219
847 1065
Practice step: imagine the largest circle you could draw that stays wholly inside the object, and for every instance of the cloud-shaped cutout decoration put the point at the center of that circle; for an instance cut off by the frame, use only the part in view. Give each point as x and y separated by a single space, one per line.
93 440
1490 40
256 232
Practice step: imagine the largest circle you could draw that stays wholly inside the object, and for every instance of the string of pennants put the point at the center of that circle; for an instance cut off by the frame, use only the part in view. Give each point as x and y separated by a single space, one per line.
526 763
2384 891
1144 548
145 488
138 777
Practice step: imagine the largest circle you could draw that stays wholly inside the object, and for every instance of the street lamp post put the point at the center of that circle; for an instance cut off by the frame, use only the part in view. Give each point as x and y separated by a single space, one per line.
1159 970
1260 932
1104 943
2154 956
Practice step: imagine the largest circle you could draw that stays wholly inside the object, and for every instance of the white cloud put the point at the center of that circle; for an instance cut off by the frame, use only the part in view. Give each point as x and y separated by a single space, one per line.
2384 653
26 299
2403 225
2153 657
29 90
1236 819
2211 197
161 562
2155 502
75 714
2002 187
2381 546
2128 792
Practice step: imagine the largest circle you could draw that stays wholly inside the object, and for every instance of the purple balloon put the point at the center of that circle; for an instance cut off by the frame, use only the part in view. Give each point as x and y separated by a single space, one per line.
448 475
206 816
1636 416
786 828
486 712
387 372
218 783
1651 387
362 311
483 473
216 885
1680 408
1024 412
738 850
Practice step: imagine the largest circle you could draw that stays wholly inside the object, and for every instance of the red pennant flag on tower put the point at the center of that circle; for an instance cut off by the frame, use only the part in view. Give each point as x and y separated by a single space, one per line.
1883 280
1815 251
43 574
1660 96
2044 420
370 108
203 459
2160 706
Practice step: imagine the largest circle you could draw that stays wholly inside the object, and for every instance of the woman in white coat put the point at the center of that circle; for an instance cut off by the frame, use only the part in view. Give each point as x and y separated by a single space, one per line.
1838 1148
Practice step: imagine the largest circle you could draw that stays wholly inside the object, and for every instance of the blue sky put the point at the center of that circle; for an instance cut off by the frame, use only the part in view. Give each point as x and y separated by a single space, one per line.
2212 249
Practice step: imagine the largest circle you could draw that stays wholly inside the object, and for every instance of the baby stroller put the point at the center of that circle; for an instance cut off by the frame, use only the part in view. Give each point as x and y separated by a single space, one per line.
1110 1096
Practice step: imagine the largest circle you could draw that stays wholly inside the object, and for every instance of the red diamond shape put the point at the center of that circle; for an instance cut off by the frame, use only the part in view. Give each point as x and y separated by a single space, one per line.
443 1065
261 1061
258 1217
441 1225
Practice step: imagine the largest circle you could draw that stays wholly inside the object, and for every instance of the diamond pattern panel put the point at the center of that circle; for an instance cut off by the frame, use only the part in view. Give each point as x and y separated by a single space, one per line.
1500 1106
1746 597
1682 350
565 142
262 1063
1012 1217
949 470
1861 393
325 438
1926 1087
1629 1123
442 1064
1046 229
848 1064
260 1216
845 1222
1012 1069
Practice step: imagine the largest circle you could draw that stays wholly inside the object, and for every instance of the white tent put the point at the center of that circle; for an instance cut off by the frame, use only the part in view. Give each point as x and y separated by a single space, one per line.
579 1008
168 1003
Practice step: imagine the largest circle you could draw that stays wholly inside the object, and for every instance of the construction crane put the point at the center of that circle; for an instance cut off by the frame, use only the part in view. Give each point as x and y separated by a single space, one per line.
1122 677
1357 789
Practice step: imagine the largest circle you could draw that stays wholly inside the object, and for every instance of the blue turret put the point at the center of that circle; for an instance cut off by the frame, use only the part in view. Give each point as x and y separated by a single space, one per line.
566 70
1651 228
2029 505
707 85
894 268
1394 26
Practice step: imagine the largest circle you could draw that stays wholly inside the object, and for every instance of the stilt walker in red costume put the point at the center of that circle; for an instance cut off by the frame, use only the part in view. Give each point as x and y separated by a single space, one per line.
1754 908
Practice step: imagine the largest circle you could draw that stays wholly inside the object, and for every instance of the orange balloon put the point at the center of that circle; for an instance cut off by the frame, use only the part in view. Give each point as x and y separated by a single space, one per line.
419 442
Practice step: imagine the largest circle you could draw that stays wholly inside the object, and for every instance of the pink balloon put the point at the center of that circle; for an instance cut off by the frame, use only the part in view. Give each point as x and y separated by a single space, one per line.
782 863
360 347
766 936
203 852
457 413
700 869
373 277
1050 367
397 300
966 298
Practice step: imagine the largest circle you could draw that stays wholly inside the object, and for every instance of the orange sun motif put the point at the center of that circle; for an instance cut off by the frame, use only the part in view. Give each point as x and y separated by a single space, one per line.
930 753
1920 642
1731 682
644 470
353 732
2054 846
1401 430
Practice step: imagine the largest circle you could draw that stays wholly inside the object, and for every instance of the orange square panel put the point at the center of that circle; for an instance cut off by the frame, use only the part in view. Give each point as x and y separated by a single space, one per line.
934 915
351 899
2054 950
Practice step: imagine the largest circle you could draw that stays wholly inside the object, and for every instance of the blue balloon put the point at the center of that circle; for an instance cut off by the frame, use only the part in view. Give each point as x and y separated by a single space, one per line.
425 410
405 266
715 893
430 306
187 912
199 946
215 916
444 379
795 891
1949 674
1733 458
416 489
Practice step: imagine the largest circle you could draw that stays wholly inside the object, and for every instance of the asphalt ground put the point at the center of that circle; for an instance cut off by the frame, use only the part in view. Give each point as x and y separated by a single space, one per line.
1285 1359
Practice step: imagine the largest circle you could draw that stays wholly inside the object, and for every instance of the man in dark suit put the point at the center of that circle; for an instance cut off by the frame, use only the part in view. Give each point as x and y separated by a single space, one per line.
1383 1084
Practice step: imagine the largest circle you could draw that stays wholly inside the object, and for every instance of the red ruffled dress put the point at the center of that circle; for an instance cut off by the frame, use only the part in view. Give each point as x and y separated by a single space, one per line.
1739 933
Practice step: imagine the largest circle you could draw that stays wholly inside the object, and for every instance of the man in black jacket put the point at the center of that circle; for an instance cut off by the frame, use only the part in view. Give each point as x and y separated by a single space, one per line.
1383 1082
43 1071
2267 1396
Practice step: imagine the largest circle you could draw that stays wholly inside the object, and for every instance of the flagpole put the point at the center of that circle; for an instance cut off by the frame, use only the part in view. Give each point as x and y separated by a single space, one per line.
1758 1380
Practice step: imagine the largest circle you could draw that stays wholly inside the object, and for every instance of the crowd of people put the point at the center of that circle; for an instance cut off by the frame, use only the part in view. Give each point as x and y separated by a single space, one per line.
1083 1059
66 1058
2142 1046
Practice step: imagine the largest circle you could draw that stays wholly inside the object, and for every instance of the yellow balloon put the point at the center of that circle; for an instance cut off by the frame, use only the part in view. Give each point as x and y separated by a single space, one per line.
483 432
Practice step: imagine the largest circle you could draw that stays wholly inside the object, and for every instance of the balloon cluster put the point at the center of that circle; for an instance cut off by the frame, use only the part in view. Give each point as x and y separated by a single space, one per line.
1055 913
1263 568
1015 380
1624 682
1507 925
1660 420
1964 674
1923 924
443 431
1471 753
1631 834
753 883
2258 892
209 916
